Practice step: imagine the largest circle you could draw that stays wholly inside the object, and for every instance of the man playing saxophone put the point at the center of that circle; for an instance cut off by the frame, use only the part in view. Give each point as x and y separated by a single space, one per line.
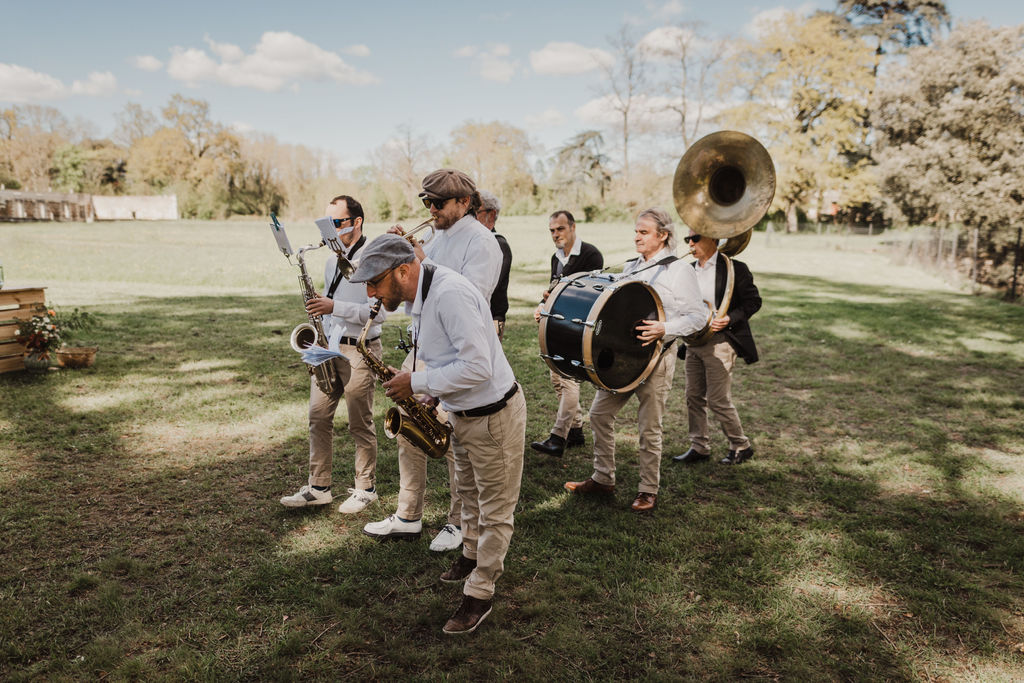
345 309
466 370
462 243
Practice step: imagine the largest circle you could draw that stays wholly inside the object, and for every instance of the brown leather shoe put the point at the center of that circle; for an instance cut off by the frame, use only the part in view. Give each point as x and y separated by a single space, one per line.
462 568
468 616
589 486
644 502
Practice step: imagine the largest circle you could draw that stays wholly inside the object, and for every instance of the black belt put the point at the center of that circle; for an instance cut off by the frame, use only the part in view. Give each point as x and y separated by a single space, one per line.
352 341
490 409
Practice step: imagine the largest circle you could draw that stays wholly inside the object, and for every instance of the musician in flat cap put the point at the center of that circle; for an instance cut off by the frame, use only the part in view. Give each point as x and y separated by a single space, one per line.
466 370
462 243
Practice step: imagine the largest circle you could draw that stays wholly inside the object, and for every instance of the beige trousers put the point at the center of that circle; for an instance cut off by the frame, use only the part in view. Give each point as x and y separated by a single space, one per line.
359 403
412 472
570 414
489 467
709 384
652 396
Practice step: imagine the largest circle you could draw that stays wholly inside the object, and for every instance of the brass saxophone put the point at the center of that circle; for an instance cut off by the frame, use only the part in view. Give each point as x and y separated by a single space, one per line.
312 332
419 424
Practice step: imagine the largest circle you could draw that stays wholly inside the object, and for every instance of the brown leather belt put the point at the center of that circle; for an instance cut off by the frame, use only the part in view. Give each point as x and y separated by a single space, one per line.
490 409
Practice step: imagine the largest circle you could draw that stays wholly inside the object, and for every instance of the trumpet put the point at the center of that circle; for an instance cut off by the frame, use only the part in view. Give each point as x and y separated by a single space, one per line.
411 235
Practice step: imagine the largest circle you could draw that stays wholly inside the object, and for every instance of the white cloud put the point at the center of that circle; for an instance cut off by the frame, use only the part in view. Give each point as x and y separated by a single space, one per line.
668 10
20 84
132 92
242 127
567 59
357 50
278 61
492 61
147 63
549 118
98 84
648 113
764 21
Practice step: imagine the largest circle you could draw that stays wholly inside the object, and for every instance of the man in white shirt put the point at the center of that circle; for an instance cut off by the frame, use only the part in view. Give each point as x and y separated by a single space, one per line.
685 313
466 370
345 309
460 242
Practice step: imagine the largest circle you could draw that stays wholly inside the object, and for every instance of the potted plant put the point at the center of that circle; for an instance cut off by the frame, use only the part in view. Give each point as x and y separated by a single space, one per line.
47 332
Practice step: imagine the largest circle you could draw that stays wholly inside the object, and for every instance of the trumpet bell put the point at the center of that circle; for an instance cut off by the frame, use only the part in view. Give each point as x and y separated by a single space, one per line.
724 184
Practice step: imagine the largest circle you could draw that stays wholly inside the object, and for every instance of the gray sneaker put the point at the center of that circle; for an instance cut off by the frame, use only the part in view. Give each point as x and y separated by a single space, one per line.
307 495
357 501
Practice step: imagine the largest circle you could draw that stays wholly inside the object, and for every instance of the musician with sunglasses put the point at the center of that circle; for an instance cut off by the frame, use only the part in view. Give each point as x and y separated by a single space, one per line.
464 367
709 366
345 309
462 243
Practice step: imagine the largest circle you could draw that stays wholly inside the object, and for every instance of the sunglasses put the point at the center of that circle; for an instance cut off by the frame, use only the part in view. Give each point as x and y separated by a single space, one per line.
436 203
339 221
375 282
692 238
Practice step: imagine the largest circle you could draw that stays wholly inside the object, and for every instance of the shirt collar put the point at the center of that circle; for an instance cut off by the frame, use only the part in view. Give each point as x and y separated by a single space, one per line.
573 251
665 251
710 263
416 307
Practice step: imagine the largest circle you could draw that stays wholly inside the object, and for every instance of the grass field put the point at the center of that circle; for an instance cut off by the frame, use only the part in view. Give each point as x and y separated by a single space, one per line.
877 535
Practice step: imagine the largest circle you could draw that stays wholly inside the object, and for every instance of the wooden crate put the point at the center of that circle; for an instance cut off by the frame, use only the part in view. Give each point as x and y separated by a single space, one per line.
14 304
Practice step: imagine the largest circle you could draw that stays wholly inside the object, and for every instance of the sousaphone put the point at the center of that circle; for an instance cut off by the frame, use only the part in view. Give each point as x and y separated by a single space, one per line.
723 186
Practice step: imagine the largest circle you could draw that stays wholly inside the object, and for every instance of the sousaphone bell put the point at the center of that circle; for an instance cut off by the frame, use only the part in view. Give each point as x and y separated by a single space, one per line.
722 187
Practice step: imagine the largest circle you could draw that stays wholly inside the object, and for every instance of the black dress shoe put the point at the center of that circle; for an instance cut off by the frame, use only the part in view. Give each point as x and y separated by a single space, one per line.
736 457
575 437
691 456
555 445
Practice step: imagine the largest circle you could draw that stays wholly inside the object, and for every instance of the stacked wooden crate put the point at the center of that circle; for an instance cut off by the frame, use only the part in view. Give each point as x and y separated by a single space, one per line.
16 304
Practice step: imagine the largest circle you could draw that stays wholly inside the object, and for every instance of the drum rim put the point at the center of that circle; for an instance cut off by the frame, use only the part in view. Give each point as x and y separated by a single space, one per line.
588 333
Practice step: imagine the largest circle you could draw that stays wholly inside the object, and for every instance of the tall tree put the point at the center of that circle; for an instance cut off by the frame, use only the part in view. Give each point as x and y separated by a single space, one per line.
580 163
803 84
625 79
950 130
133 124
496 155
895 24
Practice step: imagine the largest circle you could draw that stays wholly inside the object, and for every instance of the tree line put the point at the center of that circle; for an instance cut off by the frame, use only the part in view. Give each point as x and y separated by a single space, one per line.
877 108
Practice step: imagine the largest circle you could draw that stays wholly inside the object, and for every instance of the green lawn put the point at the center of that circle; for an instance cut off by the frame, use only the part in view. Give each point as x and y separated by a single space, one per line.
877 535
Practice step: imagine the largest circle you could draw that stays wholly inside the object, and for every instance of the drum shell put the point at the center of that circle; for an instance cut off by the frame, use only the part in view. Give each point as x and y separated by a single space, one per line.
589 330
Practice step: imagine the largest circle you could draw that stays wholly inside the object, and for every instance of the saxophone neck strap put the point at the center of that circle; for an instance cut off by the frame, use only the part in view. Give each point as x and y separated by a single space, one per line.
337 270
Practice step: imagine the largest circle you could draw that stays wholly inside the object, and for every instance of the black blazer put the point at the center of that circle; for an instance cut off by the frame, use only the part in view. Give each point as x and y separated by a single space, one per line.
588 259
745 302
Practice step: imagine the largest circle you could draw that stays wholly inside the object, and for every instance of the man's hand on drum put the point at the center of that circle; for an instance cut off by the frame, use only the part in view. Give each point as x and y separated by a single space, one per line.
649 331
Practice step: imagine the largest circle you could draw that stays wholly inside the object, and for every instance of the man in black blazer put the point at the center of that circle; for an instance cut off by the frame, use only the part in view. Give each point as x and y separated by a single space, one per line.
709 366
571 256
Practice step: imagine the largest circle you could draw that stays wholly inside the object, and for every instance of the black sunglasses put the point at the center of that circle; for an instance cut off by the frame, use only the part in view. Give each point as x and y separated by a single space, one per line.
339 221
437 203
692 238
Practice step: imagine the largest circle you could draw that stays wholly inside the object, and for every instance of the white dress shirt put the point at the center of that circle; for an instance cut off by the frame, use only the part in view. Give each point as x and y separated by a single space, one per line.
469 249
454 334
676 284
574 250
351 305
706 277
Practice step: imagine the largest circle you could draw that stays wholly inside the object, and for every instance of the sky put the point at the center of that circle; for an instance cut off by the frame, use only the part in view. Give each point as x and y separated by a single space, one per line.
346 76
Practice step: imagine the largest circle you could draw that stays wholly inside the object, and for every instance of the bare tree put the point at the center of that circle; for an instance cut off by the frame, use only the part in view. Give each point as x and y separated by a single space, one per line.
692 62
625 81
134 123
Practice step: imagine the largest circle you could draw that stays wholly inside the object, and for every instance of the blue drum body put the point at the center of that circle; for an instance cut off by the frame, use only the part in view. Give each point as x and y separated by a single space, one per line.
588 330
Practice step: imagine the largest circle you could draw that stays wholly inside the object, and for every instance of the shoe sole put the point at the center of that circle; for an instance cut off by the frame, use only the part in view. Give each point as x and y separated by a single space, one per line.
395 535
306 504
462 580
469 630
542 451
446 549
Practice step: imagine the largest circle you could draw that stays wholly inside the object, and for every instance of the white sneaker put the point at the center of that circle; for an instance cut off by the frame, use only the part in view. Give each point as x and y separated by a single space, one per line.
448 538
392 527
307 495
358 501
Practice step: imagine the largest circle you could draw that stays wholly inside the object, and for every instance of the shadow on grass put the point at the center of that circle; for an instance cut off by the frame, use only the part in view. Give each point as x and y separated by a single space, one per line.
142 534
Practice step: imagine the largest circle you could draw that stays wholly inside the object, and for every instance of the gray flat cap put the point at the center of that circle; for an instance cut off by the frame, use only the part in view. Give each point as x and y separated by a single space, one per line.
383 253
445 183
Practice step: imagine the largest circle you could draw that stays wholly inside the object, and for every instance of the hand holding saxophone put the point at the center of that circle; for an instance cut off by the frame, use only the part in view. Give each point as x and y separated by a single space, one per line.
399 387
320 305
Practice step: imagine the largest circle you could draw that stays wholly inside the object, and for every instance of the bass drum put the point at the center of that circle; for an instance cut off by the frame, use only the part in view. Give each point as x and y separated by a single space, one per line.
588 332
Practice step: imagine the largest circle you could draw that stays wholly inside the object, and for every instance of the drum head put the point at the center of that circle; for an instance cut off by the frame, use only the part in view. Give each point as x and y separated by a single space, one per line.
615 358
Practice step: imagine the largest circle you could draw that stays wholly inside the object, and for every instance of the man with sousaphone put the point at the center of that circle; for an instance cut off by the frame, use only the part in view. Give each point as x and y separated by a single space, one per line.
723 186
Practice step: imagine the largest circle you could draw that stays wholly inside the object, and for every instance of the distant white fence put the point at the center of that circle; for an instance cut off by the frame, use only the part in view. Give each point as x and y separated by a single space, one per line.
162 208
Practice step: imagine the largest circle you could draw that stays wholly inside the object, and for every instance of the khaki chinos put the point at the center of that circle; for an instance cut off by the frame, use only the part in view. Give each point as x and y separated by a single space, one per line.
359 391
709 384
652 396
489 473
412 471
570 414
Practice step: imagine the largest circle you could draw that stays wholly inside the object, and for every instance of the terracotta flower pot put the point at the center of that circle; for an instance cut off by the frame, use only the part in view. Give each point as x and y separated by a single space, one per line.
77 356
